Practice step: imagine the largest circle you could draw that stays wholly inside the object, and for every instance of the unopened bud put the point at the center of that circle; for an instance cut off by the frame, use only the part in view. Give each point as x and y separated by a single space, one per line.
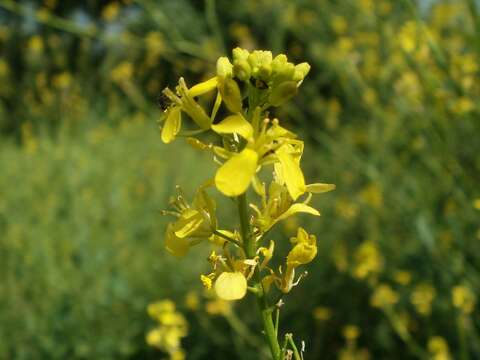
242 69
283 92
240 54
224 67
231 95
301 70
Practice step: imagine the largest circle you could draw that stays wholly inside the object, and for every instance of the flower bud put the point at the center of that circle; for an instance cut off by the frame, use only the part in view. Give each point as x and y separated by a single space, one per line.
283 92
282 71
240 54
260 62
231 95
224 67
242 69
301 70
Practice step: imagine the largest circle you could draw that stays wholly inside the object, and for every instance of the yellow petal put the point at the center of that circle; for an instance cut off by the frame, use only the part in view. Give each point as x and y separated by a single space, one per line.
231 286
190 221
172 125
234 124
291 173
234 177
298 208
175 245
302 253
318 188
203 87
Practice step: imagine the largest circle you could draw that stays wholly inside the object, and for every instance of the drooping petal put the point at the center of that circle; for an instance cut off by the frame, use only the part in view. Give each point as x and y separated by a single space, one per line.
231 286
318 188
203 87
234 124
291 173
234 177
175 245
172 125
298 208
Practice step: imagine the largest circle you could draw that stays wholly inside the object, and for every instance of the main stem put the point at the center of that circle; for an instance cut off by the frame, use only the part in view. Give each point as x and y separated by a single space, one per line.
250 250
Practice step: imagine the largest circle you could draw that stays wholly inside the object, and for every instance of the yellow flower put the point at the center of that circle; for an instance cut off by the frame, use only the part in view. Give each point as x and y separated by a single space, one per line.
62 80
218 307
194 223
111 11
206 281
368 260
160 307
322 313
278 205
402 277
476 204
422 298
303 252
171 327
351 332
122 72
438 348
383 296
185 102
192 301
463 298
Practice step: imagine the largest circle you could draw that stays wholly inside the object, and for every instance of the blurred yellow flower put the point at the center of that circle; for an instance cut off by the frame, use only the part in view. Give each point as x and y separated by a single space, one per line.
62 81
438 348
368 260
111 11
171 327
463 299
346 209
476 204
463 105
372 195
422 297
122 72
339 24
383 296
4 68
402 277
35 44
351 332
192 301
218 307
322 313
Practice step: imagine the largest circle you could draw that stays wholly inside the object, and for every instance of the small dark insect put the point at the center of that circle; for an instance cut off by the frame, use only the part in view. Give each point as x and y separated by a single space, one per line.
259 84
163 101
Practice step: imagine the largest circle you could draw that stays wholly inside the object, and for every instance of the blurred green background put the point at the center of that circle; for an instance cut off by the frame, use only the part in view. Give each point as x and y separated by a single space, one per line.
390 113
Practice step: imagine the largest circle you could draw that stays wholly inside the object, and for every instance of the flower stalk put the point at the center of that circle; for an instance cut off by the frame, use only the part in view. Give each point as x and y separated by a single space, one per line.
250 143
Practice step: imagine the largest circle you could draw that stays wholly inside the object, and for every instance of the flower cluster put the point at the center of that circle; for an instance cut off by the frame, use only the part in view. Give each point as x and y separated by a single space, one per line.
249 141
171 327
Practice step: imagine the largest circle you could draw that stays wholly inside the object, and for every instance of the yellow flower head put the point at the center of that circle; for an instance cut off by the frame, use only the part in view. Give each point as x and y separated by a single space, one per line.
463 298
194 222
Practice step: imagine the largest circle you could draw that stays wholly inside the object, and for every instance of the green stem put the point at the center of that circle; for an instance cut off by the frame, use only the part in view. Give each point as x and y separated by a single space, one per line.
296 354
250 251
228 238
